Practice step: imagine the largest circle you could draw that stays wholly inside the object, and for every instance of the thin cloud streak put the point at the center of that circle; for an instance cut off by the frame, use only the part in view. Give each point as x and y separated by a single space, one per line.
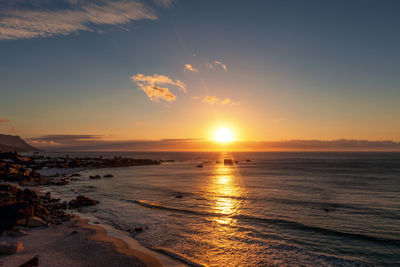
2 120
215 100
150 84
189 67
26 24
98 143
164 3
217 64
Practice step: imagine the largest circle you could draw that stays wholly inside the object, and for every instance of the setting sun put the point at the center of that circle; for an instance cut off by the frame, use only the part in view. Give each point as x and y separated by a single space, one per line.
223 135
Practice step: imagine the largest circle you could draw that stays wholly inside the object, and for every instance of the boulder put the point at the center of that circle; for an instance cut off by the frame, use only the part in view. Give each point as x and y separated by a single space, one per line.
64 205
82 201
16 233
8 248
32 262
108 176
29 211
35 222
21 221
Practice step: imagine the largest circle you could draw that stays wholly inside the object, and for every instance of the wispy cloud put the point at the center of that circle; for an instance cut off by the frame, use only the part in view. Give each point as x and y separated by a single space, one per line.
222 65
4 121
7 126
189 67
150 84
64 139
217 64
215 100
164 3
88 16
100 143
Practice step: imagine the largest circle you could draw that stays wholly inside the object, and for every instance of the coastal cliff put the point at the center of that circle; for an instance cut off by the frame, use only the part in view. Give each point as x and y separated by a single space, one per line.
10 143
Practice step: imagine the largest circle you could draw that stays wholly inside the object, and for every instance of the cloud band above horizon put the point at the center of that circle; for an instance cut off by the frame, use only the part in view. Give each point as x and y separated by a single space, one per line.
99 143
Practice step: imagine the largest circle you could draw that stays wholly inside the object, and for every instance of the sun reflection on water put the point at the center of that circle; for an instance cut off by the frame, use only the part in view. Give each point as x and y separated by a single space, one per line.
223 243
226 192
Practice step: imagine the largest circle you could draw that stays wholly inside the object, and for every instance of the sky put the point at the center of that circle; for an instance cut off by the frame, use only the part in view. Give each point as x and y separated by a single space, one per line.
173 69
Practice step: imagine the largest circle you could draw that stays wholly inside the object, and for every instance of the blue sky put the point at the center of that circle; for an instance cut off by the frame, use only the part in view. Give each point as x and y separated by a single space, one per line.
294 69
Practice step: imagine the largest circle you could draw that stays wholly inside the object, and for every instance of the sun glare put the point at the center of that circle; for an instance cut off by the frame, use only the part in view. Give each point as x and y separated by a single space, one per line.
223 135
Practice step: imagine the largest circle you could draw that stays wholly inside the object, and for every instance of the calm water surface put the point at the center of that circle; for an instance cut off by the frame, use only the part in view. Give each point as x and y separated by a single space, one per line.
325 209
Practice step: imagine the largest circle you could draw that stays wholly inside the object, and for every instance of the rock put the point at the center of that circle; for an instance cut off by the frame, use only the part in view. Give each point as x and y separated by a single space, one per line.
95 177
139 229
230 161
21 221
82 201
200 166
64 205
248 160
35 222
47 196
108 176
179 196
29 211
32 262
62 181
75 175
8 248
16 233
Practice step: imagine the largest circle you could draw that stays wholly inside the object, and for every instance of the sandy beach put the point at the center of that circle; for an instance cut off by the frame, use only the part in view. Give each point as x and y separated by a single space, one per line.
78 243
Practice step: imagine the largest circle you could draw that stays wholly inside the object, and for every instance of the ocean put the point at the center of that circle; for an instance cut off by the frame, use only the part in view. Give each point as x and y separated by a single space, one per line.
269 209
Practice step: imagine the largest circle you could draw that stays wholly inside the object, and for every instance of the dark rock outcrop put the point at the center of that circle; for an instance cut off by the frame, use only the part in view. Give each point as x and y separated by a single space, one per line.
26 208
8 248
82 201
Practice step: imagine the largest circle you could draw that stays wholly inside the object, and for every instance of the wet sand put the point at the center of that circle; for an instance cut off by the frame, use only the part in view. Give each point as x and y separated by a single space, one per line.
77 243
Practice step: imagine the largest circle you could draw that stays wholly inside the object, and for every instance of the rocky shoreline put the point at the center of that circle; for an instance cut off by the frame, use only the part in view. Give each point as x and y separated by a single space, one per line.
23 209
25 170
23 206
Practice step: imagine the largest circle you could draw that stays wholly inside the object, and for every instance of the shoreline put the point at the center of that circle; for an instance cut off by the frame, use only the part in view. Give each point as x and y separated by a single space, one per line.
166 260
37 241
79 243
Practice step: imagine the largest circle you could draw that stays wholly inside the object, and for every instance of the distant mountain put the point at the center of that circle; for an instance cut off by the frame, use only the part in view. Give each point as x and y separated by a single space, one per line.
14 143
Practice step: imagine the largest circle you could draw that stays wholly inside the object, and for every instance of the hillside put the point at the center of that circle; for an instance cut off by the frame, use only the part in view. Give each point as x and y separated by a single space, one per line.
14 143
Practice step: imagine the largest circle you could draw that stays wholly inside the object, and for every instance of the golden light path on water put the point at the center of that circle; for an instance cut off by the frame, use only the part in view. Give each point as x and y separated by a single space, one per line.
225 192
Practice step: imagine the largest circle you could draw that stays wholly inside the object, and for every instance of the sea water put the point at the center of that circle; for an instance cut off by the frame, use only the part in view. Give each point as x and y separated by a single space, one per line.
286 208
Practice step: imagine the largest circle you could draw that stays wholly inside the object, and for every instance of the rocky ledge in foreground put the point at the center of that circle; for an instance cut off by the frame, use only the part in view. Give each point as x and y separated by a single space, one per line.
24 207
